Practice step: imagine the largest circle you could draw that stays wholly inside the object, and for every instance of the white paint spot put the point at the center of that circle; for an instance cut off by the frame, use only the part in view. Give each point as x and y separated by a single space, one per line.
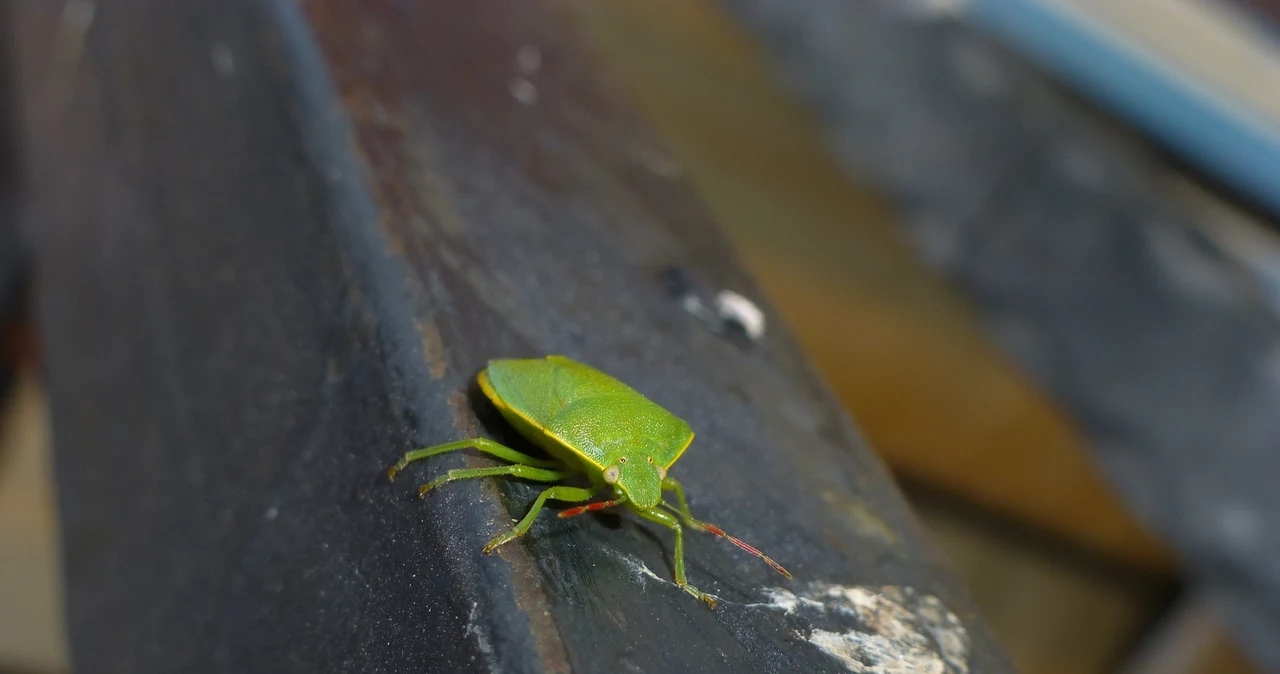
896 630
475 630
901 632
529 59
870 630
224 62
524 91
787 601
735 308
271 513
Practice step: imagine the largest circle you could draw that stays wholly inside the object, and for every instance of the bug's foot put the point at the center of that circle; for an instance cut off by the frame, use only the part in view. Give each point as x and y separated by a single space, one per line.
711 601
392 471
493 544
422 491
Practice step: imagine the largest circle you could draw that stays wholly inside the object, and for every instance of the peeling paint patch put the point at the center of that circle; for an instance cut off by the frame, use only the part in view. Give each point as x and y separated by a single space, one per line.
870 630
788 601
463 419
473 629
738 310
879 630
433 349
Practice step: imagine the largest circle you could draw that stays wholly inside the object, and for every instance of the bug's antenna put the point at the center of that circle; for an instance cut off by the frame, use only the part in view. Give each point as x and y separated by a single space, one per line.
590 507
711 528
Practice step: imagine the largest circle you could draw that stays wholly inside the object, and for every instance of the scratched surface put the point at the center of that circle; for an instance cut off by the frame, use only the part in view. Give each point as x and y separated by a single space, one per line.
275 241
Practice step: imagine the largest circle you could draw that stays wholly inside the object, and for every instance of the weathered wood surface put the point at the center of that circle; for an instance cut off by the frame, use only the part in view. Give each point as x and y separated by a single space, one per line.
274 243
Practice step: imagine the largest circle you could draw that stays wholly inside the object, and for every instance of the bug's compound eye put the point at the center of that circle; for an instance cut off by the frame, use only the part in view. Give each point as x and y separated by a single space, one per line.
611 474
662 473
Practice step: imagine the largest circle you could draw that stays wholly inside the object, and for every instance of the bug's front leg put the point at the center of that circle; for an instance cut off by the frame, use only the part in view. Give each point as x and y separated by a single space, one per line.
559 493
670 484
671 523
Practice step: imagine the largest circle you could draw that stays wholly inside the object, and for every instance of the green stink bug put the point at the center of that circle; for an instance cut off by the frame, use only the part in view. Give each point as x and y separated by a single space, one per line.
591 424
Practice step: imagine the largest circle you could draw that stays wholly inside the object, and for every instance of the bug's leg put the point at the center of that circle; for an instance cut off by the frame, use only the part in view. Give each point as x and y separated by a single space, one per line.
514 470
483 444
670 484
590 507
713 529
669 521
559 493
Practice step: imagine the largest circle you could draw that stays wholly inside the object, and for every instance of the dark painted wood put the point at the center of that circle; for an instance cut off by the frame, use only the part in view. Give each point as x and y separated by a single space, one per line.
275 242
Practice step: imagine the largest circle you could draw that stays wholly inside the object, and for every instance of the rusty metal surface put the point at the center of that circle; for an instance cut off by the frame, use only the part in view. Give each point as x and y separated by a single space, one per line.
275 241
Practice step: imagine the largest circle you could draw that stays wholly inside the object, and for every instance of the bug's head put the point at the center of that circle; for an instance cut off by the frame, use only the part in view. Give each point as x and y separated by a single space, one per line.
638 478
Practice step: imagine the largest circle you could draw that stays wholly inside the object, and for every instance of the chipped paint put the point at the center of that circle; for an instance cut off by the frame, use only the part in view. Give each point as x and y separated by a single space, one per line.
879 630
869 629
463 419
433 349
736 309
787 600
481 635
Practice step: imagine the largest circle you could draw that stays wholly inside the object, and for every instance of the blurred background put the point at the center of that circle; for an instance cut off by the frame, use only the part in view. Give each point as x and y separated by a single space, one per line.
1073 572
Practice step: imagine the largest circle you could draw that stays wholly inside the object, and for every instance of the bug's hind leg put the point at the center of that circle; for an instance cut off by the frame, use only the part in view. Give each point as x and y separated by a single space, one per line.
669 521
514 470
483 444
559 493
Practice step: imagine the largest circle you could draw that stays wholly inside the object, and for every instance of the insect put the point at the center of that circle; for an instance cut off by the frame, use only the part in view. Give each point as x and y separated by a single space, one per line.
592 424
